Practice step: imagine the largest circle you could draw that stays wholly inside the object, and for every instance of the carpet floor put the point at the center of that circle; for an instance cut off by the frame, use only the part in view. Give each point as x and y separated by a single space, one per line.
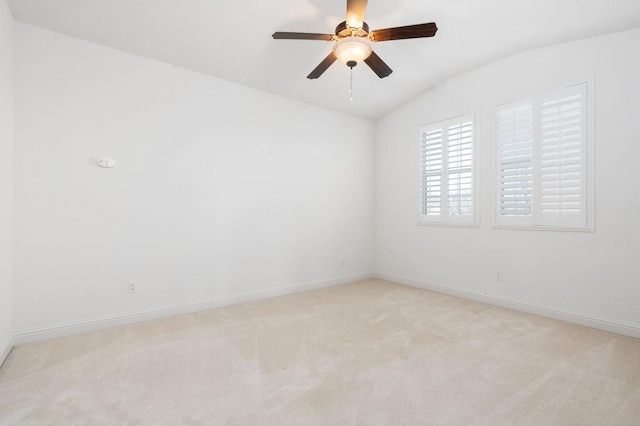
367 353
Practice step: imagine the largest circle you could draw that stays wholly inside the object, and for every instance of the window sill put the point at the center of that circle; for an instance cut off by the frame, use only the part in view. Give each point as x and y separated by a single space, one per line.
542 228
448 225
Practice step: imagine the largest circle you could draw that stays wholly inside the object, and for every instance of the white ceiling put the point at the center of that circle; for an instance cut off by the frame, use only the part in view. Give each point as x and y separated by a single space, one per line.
231 39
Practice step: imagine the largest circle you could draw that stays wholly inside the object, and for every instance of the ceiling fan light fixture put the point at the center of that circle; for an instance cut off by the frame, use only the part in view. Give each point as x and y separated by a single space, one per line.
352 49
353 40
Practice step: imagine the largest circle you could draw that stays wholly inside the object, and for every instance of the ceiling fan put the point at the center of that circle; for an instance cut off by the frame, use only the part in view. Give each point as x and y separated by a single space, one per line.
353 40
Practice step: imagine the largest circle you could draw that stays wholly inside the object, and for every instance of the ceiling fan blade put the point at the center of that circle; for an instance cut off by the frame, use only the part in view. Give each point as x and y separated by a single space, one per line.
399 33
355 12
302 36
377 65
320 69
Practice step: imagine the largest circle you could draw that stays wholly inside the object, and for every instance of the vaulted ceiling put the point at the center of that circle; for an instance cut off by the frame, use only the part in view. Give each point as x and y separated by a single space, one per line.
231 39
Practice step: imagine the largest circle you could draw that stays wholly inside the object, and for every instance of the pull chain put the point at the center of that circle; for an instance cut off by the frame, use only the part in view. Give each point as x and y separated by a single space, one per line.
351 64
351 86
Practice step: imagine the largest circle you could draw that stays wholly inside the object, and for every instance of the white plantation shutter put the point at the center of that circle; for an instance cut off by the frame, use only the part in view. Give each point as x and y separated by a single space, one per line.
542 160
447 172
515 136
431 172
563 158
460 172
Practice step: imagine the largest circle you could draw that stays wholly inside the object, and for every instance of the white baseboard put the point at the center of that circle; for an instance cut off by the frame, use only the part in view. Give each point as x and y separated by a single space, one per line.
4 352
63 330
632 330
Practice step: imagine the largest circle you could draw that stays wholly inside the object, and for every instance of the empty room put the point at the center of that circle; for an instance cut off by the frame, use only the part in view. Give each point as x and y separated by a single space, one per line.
319 212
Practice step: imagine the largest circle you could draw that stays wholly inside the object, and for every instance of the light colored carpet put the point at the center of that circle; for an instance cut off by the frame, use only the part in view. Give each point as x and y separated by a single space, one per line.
368 353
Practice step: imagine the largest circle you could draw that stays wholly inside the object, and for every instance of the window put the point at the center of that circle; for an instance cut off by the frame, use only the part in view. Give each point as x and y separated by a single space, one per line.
447 175
542 164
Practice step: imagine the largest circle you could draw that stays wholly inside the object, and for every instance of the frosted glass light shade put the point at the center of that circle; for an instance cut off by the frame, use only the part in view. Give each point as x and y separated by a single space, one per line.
352 49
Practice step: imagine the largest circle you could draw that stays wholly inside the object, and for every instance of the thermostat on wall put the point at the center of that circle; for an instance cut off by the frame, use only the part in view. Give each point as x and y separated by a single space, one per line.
107 163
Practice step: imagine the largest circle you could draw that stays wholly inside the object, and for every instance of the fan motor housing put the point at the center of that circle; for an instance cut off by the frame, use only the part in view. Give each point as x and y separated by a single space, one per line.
343 30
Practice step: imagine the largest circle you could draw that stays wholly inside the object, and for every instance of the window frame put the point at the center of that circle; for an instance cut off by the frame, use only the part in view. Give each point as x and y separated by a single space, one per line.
465 221
535 221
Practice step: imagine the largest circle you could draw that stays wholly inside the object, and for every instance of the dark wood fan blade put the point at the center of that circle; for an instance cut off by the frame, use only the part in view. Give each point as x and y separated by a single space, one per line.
355 12
320 69
377 65
302 36
410 31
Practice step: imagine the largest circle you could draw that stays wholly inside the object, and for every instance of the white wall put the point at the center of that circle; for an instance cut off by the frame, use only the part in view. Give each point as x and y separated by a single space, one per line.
6 176
219 190
593 275
223 191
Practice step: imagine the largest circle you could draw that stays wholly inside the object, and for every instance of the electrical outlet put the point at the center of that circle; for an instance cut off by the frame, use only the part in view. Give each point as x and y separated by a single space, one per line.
132 286
499 275
342 261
